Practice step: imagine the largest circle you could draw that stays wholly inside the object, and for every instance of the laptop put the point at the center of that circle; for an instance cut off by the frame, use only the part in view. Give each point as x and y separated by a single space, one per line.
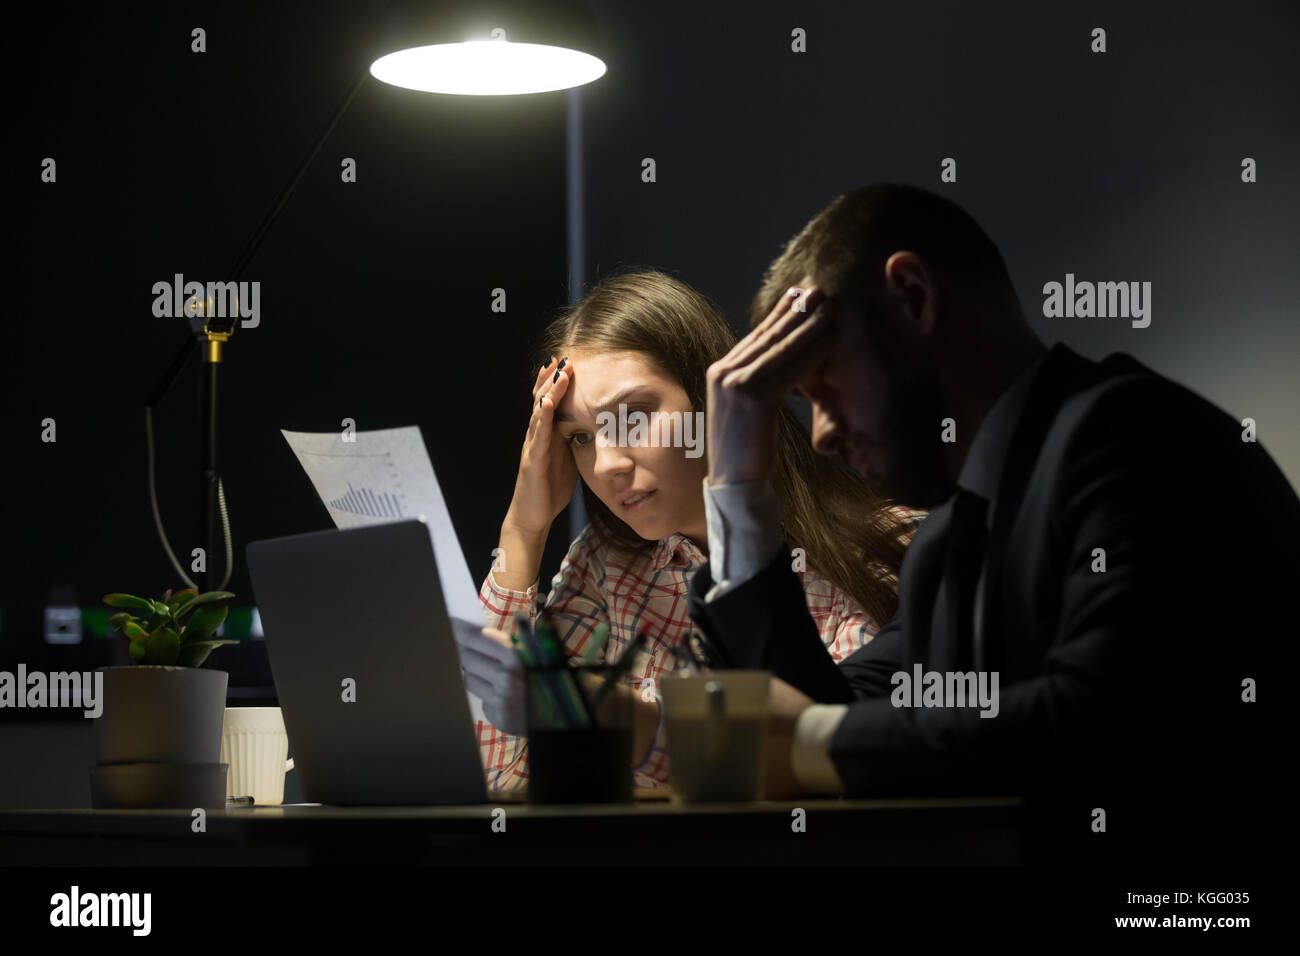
366 667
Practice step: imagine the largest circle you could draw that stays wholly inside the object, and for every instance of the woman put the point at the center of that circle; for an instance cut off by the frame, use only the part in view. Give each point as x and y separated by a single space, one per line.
635 349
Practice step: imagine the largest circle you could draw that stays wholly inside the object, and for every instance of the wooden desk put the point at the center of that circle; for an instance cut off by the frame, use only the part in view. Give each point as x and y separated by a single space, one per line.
983 830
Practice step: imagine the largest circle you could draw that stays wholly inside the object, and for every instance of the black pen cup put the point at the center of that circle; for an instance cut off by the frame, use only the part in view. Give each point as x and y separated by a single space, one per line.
579 735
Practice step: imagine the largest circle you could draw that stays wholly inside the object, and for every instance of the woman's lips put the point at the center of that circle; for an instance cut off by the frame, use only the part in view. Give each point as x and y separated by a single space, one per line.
637 501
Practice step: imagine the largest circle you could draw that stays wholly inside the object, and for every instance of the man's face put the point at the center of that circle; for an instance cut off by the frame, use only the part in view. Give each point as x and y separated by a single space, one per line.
877 406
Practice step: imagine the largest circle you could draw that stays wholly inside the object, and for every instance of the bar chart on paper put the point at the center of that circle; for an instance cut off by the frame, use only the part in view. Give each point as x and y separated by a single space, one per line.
377 494
368 501
386 475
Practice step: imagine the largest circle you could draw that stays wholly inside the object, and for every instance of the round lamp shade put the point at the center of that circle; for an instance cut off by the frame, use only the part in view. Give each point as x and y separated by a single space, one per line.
487 68
488 47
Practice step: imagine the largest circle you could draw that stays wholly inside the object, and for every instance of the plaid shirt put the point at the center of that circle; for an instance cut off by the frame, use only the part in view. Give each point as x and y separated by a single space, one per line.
597 584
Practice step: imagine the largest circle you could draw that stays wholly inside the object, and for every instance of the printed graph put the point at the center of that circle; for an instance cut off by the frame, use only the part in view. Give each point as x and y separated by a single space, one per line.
358 487
367 501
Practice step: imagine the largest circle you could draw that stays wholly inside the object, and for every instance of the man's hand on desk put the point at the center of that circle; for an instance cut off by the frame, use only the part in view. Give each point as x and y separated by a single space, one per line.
493 672
787 704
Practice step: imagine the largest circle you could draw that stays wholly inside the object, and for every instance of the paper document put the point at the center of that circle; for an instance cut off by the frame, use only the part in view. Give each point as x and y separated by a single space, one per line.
385 475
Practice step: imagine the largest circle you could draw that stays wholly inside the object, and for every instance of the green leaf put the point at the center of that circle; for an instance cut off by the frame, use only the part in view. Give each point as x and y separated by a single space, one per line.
139 651
208 597
120 618
180 599
204 622
194 653
134 631
162 646
128 600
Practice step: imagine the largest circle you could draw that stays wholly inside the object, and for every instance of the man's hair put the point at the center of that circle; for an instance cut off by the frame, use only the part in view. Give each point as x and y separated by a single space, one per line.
845 246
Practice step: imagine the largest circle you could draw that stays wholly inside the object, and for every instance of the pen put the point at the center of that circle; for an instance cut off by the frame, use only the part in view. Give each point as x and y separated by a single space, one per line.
598 637
521 622
620 667
575 699
522 639
562 706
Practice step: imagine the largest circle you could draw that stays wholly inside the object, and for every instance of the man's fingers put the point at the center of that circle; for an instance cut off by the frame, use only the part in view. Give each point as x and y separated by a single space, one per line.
775 328
799 309
785 359
742 349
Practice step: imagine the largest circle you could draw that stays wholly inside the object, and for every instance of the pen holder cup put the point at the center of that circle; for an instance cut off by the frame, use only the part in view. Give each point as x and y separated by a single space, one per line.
717 734
579 735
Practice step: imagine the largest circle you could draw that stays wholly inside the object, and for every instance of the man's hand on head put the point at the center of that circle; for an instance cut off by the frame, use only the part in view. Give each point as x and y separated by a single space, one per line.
747 385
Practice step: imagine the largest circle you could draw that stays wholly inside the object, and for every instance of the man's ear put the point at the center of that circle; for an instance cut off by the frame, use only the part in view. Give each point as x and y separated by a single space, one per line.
912 289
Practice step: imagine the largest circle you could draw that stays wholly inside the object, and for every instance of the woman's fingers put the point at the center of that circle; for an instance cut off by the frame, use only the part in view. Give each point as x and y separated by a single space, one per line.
502 641
483 642
543 377
550 398
539 389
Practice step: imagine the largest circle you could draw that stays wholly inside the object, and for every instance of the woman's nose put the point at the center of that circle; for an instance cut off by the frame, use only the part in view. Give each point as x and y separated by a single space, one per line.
611 459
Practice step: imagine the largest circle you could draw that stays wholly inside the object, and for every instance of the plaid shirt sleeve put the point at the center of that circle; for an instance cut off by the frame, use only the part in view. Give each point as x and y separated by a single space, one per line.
576 607
843 624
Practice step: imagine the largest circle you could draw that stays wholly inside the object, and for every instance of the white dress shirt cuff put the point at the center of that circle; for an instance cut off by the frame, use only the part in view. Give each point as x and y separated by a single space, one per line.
744 523
810 754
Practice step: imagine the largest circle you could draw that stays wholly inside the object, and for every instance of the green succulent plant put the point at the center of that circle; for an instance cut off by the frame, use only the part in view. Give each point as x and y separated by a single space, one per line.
179 629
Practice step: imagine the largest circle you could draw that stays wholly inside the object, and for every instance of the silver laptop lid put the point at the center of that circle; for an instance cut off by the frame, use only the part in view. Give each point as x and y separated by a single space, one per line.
366 668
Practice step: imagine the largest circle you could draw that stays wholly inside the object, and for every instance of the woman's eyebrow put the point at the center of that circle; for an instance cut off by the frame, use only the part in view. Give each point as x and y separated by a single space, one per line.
611 403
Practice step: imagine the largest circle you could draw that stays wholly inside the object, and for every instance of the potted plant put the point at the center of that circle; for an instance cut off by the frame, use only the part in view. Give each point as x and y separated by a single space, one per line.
158 738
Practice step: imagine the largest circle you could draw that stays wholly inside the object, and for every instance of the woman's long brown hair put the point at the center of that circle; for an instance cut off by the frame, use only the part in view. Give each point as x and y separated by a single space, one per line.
827 509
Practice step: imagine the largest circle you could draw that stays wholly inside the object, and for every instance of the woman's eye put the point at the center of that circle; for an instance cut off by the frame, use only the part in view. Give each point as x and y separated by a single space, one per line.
579 439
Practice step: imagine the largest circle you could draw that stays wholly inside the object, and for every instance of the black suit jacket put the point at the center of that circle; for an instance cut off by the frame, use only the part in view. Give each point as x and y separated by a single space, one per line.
1119 690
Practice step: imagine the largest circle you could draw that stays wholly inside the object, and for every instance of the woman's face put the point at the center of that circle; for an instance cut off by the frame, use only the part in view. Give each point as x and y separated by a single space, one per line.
654 485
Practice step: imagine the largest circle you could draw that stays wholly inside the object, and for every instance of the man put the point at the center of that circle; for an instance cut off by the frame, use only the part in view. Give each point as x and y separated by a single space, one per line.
1087 614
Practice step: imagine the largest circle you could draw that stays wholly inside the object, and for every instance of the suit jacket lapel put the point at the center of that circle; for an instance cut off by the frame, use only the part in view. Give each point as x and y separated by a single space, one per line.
923 618
1062 373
